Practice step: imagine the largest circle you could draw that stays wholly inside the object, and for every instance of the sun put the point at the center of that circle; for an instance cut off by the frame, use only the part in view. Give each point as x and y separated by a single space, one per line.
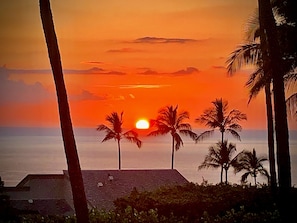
142 124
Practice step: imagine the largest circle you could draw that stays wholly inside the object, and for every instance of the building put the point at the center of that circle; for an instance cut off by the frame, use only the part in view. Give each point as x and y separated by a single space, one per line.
51 193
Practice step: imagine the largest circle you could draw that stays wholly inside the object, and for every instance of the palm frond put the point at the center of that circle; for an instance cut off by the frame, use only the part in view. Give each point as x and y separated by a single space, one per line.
192 135
132 136
252 28
103 128
110 135
243 55
204 135
234 134
178 141
291 104
245 176
184 126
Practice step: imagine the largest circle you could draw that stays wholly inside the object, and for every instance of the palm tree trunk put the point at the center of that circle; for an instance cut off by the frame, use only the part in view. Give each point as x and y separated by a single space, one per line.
270 137
268 26
267 23
226 176
74 170
172 153
119 148
222 174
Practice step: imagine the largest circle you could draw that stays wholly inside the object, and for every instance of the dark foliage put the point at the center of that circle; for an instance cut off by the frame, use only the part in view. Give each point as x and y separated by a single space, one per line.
189 203
193 203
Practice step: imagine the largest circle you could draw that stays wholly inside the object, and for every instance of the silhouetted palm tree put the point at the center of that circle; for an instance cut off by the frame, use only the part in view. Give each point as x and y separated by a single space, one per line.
74 170
218 117
252 165
251 54
170 121
116 132
221 155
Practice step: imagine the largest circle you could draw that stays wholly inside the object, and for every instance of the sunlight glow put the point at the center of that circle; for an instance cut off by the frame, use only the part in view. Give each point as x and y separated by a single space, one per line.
142 124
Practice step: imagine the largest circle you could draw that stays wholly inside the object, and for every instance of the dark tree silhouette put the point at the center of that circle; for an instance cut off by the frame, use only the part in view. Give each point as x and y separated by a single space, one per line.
252 165
74 170
218 117
221 155
170 121
250 54
268 27
116 132
274 57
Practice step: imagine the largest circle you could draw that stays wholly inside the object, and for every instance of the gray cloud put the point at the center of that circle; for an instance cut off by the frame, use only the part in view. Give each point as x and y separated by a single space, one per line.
20 92
86 95
147 86
92 71
124 50
158 40
187 71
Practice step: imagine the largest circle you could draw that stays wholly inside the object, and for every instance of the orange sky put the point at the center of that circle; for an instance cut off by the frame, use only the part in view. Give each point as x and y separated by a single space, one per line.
132 56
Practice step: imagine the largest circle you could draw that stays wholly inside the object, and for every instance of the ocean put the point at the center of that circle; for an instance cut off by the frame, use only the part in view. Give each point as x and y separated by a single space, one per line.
40 151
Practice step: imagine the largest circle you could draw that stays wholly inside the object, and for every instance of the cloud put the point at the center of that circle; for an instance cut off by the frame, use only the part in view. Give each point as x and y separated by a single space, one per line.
160 40
92 62
148 72
146 86
124 50
20 92
187 71
91 71
86 95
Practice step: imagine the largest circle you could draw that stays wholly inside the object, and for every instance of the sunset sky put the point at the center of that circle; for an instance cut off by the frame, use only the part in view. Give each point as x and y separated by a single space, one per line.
132 56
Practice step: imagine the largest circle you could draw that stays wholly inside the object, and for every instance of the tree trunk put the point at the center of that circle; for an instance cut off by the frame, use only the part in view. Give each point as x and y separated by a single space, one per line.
172 154
226 176
222 174
119 148
267 24
255 180
270 138
74 170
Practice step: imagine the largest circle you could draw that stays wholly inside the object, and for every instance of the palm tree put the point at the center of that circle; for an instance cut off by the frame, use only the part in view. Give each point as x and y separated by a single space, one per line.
218 117
74 170
251 54
252 165
268 26
116 132
170 121
220 155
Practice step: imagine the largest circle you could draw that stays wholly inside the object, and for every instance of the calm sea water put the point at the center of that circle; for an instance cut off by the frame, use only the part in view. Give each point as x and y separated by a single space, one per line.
40 150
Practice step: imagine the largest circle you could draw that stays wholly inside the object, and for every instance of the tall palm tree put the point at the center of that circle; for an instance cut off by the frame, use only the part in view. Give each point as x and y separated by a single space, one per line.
170 121
116 132
252 165
269 32
221 155
268 27
251 54
74 170
218 117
